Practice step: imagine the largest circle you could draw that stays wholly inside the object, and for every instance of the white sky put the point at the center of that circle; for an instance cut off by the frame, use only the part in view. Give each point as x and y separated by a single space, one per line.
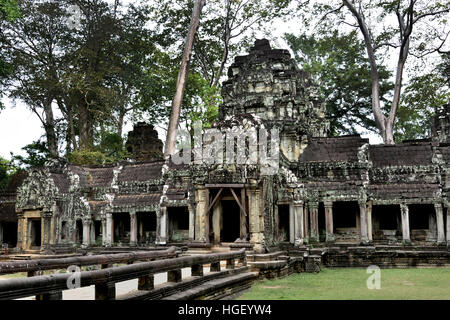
19 126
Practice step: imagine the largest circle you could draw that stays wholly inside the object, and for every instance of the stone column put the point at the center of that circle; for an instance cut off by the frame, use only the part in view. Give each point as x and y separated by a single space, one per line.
314 218
92 234
20 233
191 223
200 215
448 227
329 229
405 222
369 220
104 231
256 235
363 222
440 223
133 228
162 227
306 223
86 231
299 219
45 237
291 224
109 229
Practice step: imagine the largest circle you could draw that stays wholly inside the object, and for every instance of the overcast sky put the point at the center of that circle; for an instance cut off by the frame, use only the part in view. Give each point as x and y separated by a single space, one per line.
19 126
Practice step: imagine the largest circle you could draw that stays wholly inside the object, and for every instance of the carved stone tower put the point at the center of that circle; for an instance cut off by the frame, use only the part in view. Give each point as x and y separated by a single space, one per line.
268 84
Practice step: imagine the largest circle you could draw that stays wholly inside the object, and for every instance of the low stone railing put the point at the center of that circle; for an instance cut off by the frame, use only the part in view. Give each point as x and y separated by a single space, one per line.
50 287
34 266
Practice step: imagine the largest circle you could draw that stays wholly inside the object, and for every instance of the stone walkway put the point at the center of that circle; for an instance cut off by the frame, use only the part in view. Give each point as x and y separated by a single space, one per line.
88 293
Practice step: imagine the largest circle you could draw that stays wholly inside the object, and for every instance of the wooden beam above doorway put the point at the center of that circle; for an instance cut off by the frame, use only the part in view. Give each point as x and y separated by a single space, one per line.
229 185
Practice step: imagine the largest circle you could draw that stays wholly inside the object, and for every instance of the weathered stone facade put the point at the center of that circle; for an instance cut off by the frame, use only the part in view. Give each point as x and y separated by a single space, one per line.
326 189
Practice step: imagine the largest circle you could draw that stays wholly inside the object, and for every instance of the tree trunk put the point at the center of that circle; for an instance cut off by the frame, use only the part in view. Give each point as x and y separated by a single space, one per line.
85 127
169 147
49 126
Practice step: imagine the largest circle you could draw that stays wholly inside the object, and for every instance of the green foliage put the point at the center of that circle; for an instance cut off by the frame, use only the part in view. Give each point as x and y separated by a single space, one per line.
37 155
87 157
9 10
110 150
4 176
338 63
422 95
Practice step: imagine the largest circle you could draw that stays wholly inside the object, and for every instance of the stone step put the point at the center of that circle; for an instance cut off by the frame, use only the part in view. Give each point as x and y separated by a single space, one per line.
171 288
274 264
265 256
214 288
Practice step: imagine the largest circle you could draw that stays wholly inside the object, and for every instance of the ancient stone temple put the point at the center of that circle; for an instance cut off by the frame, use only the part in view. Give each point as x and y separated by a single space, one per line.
314 188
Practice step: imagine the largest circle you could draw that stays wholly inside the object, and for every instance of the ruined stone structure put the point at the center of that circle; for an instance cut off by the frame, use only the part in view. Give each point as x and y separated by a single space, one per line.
325 190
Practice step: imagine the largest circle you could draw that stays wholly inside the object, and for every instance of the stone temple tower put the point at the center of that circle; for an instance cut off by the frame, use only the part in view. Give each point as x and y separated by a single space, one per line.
268 84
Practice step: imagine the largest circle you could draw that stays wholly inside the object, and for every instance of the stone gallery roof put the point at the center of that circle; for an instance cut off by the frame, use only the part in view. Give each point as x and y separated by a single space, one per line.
61 181
414 153
141 171
8 212
136 200
333 149
399 191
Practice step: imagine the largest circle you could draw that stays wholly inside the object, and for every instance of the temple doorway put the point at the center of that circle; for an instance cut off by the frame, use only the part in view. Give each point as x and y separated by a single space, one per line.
231 218
35 232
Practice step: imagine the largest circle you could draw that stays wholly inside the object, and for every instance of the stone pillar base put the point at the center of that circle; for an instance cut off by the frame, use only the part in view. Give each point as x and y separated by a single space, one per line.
298 242
330 239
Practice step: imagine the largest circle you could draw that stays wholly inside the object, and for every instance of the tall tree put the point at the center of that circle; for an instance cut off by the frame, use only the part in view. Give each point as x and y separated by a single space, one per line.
169 147
410 35
339 65
8 11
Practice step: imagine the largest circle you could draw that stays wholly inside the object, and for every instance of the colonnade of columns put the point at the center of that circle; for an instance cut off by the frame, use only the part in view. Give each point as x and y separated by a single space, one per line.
107 227
304 219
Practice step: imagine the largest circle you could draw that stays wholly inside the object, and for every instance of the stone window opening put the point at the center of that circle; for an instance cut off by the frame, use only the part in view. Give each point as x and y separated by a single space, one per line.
9 234
283 222
178 223
121 227
146 222
386 222
346 220
422 222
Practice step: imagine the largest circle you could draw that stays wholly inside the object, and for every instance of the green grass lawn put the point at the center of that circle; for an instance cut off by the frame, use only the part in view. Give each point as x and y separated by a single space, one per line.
350 284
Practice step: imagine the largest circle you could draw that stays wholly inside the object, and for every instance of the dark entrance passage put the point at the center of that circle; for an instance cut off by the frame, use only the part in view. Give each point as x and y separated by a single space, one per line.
345 215
98 232
10 233
178 223
422 221
231 221
79 232
121 227
35 232
386 222
283 222
321 220
146 222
